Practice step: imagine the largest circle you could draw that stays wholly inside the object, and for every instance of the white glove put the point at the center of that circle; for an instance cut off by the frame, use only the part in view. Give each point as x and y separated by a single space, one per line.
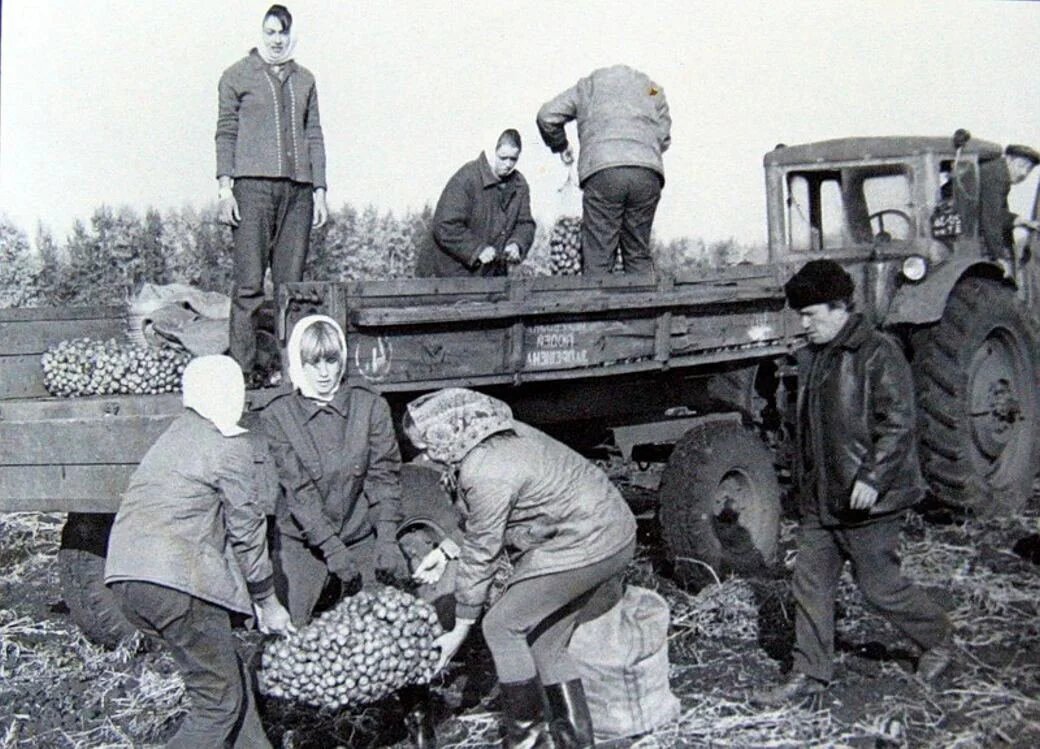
431 567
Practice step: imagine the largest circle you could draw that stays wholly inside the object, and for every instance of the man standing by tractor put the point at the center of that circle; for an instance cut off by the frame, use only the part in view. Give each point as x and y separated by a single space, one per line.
996 221
623 128
856 473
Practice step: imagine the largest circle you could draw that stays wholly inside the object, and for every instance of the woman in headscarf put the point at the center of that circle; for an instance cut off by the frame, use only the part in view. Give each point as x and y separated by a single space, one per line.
339 467
188 550
271 171
482 223
568 533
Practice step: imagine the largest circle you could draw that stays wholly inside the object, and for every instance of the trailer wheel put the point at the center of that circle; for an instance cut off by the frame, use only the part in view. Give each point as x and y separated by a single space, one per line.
719 504
81 571
976 379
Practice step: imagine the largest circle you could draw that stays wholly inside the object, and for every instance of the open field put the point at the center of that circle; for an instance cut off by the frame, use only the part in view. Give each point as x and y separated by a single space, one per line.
57 690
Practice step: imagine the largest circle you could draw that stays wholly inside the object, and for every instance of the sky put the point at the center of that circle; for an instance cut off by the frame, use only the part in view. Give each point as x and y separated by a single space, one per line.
115 101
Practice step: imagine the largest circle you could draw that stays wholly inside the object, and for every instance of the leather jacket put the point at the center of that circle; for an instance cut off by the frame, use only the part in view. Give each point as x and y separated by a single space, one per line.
856 421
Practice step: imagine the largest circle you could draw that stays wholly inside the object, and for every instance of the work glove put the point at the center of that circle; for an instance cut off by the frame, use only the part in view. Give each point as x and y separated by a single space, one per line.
389 559
342 565
432 566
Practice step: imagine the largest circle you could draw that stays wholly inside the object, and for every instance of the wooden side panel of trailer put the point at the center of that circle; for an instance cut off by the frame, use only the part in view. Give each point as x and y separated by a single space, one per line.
25 334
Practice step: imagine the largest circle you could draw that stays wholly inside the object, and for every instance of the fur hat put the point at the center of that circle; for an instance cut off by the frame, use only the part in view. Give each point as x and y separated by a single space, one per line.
818 282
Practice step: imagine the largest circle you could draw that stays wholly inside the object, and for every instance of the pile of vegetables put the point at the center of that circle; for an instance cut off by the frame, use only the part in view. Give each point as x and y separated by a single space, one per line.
565 246
366 648
85 366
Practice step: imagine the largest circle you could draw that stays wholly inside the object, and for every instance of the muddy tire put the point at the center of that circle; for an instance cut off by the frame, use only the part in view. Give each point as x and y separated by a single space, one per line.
719 505
81 571
976 379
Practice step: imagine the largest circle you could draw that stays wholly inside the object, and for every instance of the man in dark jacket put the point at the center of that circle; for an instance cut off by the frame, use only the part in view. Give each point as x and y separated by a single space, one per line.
857 471
482 223
996 221
623 128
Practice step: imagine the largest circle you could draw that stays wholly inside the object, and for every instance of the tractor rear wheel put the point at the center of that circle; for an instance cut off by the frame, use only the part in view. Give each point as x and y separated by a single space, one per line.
979 412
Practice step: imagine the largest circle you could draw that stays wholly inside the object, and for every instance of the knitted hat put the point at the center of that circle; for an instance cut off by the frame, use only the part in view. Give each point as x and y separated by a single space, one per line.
818 282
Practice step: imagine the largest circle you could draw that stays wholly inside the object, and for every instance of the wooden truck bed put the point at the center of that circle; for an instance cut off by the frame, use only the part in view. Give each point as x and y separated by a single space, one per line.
549 336
423 334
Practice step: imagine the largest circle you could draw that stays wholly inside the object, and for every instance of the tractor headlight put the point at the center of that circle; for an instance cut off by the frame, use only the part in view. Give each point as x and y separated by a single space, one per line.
914 268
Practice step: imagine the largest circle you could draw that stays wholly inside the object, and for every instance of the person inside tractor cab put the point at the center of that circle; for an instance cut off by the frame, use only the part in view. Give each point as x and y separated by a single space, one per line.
996 221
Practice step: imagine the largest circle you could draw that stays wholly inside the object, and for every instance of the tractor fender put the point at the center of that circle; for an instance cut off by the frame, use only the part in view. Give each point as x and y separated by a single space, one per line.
925 301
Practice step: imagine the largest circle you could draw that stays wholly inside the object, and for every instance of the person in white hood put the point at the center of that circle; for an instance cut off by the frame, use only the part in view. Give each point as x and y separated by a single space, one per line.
188 550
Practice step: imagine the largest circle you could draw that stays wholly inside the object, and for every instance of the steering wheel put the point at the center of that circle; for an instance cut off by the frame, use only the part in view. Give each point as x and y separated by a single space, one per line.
883 235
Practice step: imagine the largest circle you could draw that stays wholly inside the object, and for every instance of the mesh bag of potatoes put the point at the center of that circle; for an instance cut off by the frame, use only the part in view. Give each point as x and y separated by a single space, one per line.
565 246
85 366
366 648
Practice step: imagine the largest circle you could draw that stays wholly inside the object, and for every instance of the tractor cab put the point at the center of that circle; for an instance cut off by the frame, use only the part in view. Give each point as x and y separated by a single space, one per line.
894 210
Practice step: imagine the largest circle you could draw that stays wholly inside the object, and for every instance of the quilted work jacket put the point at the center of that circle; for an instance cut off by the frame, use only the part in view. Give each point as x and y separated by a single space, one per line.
856 421
267 127
622 116
548 507
193 517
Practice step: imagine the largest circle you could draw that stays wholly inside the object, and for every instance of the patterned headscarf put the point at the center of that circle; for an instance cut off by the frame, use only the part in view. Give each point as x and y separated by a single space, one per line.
452 421
213 388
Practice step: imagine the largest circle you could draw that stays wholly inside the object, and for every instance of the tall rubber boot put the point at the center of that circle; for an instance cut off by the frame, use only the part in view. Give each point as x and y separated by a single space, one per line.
569 718
418 707
523 716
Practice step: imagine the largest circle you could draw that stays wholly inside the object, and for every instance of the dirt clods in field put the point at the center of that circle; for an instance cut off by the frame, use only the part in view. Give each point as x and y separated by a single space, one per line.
726 639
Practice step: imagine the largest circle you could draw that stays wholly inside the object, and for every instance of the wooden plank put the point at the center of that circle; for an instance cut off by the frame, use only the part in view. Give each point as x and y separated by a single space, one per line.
371 317
21 377
97 407
56 488
750 352
452 354
60 313
36 336
114 439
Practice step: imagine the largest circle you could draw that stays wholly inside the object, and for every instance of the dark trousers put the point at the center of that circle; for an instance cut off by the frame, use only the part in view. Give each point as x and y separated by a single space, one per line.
529 627
873 550
274 232
223 707
300 574
618 206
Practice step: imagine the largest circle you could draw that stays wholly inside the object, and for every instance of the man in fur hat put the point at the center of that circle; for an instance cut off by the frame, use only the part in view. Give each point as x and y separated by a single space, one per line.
857 472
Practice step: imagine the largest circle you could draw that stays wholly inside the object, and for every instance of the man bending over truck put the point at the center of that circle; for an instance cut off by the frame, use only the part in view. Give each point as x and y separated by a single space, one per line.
623 128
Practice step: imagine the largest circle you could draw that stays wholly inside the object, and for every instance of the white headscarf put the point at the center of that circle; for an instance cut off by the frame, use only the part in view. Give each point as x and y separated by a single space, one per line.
213 388
287 52
296 376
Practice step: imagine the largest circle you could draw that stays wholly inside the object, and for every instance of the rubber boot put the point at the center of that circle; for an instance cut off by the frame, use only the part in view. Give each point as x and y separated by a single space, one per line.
418 706
569 718
523 716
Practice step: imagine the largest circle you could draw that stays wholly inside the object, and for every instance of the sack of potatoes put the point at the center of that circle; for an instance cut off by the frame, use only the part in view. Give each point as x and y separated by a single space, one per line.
364 649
